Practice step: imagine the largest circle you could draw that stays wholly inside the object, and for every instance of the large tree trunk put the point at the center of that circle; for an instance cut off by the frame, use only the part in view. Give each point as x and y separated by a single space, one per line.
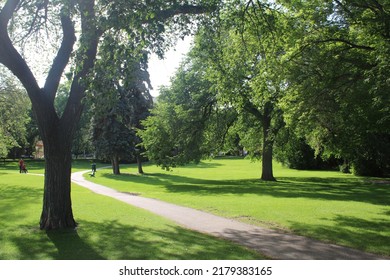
268 142
115 165
57 140
267 169
57 206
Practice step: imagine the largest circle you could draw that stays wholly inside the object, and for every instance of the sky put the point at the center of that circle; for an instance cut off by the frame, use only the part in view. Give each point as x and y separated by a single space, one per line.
161 71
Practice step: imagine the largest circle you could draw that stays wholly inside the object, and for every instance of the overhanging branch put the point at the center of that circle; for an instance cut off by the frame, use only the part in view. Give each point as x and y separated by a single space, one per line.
6 13
62 58
11 58
337 40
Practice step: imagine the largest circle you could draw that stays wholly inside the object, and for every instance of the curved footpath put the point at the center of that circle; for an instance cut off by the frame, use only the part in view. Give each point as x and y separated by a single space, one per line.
268 242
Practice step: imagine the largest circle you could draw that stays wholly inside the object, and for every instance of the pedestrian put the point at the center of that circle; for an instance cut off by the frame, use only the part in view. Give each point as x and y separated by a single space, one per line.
93 169
24 168
21 164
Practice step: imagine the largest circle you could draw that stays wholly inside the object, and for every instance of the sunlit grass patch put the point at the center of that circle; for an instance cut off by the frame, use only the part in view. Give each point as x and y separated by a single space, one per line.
327 205
108 229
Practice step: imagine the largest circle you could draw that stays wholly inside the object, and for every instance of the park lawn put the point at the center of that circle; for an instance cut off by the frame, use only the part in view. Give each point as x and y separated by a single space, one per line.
108 229
330 206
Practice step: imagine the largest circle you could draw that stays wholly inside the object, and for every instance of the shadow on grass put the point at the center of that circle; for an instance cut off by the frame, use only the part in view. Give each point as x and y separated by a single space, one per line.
11 197
112 240
339 189
366 235
70 246
20 237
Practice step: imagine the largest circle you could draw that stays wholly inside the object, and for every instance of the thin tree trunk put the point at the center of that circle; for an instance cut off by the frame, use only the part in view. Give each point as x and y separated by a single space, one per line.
139 163
268 142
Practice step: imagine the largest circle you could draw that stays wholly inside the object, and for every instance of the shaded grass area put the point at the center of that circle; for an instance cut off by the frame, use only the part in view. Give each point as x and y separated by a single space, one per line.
329 206
108 229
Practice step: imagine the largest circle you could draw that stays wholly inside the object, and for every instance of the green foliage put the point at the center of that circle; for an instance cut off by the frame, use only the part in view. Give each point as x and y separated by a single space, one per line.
341 106
295 153
82 144
14 115
187 123
121 99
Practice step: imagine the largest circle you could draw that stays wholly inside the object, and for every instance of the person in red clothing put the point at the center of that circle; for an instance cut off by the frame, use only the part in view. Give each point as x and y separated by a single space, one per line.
24 168
21 164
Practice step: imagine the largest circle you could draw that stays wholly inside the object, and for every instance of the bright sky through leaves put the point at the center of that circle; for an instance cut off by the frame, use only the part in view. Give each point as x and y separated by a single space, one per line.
162 70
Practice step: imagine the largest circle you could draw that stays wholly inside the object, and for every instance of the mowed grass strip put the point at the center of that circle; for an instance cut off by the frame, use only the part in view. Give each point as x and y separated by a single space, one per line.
330 206
108 229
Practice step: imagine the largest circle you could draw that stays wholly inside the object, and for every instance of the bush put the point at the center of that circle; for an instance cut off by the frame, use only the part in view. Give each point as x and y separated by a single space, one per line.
345 168
366 167
295 153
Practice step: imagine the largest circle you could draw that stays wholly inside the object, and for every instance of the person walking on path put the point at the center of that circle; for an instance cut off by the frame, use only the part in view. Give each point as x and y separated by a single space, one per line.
93 169
21 165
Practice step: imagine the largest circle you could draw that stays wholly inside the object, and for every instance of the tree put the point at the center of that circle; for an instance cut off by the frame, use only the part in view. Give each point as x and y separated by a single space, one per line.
14 115
183 125
81 141
143 22
121 99
245 51
340 107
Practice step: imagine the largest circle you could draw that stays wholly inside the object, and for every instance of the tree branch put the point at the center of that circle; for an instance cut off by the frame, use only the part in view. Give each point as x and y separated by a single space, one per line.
250 108
345 42
86 60
11 58
54 77
6 13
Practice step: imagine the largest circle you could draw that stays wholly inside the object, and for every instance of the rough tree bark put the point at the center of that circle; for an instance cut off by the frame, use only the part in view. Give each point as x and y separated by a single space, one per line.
57 206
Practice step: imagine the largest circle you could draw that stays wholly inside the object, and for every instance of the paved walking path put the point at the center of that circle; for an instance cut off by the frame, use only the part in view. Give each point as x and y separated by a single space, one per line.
268 242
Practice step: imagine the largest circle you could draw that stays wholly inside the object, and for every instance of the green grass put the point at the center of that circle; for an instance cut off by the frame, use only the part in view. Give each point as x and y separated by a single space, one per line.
329 206
108 229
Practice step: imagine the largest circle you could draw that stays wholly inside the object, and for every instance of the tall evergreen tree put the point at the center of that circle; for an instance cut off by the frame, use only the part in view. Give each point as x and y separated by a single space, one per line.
121 100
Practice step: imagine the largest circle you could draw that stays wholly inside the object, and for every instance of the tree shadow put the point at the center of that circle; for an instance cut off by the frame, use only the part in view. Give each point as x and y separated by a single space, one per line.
71 247
366 235
115 241
339 189
202 164
21 239
174 242
12 196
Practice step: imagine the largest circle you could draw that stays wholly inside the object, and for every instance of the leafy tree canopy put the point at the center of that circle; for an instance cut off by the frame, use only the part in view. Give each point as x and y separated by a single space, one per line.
14 114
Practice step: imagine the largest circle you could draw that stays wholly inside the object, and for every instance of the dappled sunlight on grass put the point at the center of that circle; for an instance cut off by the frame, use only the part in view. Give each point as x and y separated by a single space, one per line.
330 206
304 202
368 235
108 229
